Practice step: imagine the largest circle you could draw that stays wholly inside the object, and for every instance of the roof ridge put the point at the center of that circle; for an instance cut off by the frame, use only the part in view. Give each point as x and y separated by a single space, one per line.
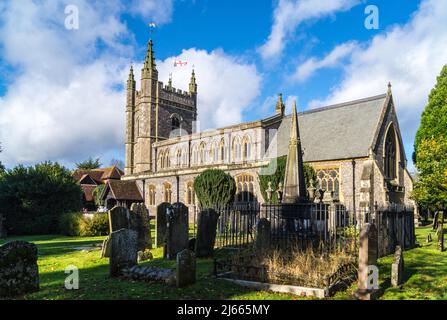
343 104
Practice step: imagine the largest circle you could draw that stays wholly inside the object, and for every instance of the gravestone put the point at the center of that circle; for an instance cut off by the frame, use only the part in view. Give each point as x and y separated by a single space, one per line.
186 268
263 233
429 238
177 230
123 251
368 255
206 233
19 273
118 219
161 224
397 268
140 222
105 249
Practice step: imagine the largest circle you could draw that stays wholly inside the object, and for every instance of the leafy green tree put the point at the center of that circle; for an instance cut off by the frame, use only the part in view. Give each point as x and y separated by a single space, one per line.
2 167
430 149
214 188
430 191
434 117
33 198
275 173
89 164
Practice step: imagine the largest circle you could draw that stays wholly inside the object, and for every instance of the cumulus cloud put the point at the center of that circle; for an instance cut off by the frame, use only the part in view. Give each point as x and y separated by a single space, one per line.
290 14
65 99
160 11
410 56
226 85
333 59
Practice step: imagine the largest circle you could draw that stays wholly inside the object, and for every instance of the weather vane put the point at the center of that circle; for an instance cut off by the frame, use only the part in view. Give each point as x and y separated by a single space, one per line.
152 27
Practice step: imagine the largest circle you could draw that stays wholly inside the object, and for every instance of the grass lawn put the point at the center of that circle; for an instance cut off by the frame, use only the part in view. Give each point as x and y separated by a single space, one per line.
425 275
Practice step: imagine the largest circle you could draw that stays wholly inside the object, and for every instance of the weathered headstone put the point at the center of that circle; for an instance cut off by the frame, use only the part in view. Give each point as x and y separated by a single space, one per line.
105 249
161 224
263 234
397 268
206 233
368 255
177 235
186 268
19 272
123 251
429 238
140 222
118 219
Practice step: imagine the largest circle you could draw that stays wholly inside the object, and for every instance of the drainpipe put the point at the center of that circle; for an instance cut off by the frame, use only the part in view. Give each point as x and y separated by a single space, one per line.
353 186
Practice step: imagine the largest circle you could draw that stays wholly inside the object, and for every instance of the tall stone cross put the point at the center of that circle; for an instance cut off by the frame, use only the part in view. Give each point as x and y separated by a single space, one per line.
294 185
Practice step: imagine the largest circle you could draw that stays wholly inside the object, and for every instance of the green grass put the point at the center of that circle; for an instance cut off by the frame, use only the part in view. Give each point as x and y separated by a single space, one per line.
425 275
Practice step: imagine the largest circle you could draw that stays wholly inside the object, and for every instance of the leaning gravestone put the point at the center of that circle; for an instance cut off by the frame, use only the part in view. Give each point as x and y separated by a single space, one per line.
186 268
397 268
177 235
368 255
206 233
123 251
140 222
161 224
118 219
263 232
105 249
19 272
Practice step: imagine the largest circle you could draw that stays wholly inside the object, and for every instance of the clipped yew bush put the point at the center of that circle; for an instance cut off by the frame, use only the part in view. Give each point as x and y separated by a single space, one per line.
214 188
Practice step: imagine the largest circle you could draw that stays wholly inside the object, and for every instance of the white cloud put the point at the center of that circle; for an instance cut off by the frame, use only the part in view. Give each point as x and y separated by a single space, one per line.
290 14
410 56
226 86
160 11
312 65
64 101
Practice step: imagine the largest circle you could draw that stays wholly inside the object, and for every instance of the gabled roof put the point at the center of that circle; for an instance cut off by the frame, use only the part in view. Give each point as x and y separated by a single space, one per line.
123 190
88 192
99 175
341 131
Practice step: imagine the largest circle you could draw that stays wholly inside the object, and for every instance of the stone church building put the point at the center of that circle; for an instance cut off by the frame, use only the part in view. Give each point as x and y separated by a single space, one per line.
355 147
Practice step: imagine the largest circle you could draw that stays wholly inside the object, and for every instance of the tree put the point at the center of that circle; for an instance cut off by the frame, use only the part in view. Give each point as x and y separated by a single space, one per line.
430 149
277 176
33 198
434 117
214 188
89 164
430 191
97 192
2 167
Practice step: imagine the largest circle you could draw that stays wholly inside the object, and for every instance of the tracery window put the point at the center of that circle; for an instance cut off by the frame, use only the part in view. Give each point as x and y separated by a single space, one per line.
190 195
166 160
236 149
222 152
245 188
151 197
390 154
202 153
329 180
179 158
246 149
167 192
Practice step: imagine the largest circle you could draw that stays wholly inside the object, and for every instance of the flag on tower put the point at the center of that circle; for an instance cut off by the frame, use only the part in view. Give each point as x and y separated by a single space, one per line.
180 63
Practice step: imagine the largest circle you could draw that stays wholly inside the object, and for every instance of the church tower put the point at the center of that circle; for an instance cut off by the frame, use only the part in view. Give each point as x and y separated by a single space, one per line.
153 113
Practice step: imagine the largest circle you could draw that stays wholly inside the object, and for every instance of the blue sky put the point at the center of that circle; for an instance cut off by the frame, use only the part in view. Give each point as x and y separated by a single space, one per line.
61 95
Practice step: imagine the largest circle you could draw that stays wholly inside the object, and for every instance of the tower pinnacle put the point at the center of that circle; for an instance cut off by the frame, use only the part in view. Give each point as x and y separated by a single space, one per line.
193 84
280 105
149 63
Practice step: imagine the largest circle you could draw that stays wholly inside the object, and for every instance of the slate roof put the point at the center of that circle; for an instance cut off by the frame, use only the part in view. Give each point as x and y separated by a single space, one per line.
340 131
124 190
99 175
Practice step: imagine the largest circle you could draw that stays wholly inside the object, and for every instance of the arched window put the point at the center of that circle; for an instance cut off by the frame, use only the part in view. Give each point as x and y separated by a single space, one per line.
195 155
246 149
328 180
175 122
167 192
178 157
190 195
214 152
236 149
390 154
151 197
202 153
222 148
245 188
167 160
160 160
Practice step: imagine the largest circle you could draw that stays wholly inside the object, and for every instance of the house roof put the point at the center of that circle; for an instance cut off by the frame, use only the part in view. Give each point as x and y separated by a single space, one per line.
340 131
88 192
123 190
99 175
